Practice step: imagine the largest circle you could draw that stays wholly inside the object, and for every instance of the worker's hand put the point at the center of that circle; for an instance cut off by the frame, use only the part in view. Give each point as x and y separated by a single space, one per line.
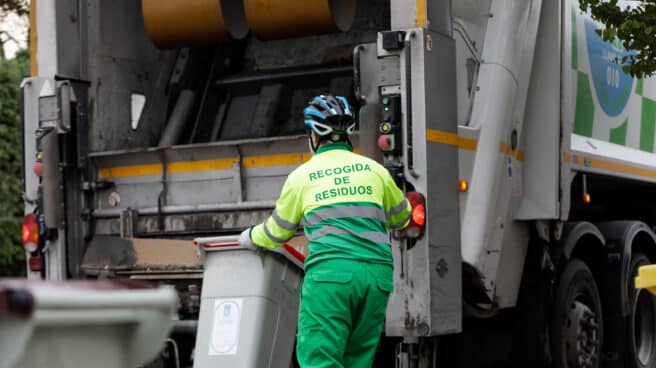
245 240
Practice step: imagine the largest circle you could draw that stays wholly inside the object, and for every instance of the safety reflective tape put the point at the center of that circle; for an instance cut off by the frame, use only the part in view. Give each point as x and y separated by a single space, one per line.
399 224
202 165
452 139
276 160
566 156
420 18
123 171
467 144
398 208
282 222
287 159
505 148
345 212
599 164
376 237
34 64
273 237
439 136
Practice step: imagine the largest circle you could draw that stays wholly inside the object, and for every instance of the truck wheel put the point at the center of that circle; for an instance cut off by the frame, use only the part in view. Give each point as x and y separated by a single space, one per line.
576 321
641 322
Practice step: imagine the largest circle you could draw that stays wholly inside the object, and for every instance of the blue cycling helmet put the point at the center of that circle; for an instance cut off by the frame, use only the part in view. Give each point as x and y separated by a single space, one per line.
329 117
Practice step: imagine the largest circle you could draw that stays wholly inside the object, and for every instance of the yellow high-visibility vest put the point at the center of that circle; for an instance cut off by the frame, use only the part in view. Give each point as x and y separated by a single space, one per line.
347 203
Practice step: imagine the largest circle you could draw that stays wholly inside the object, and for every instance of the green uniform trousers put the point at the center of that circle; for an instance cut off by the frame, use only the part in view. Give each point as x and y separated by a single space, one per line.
342 313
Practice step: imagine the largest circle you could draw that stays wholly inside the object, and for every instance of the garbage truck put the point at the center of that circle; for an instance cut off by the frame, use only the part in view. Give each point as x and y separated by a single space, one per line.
147 124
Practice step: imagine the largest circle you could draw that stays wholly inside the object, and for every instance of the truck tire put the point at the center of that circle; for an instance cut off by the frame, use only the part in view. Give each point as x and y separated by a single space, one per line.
641 329
576 319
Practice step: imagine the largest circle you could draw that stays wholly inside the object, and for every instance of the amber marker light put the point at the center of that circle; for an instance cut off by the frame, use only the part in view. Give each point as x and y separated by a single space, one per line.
586 198
463 185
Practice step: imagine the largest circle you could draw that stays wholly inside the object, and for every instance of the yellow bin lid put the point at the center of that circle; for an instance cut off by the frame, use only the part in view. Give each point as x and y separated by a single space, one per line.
646 278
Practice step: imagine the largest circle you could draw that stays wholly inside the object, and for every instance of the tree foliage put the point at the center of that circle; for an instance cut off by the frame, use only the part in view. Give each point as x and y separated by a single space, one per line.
634 25
12 257
20 7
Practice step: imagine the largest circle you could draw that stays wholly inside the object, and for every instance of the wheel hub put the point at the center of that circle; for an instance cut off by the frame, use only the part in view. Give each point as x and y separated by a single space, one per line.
643 327
582 336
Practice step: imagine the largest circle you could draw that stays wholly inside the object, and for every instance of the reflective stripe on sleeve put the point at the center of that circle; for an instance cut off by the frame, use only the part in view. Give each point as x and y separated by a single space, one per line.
376 237
282 222
399 224
398 208
273 237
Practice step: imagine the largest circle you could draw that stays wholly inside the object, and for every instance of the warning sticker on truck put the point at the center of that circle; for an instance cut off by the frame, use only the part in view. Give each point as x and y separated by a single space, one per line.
224 339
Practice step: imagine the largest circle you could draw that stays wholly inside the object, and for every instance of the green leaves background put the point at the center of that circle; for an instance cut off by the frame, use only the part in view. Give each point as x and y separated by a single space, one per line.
12 257
633 26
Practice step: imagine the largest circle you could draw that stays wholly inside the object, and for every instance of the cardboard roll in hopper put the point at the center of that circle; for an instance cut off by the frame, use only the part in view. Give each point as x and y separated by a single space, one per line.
176 23
275 19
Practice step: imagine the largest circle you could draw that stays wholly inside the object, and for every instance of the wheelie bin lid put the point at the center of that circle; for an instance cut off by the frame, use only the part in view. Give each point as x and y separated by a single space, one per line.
231 243
116 311
646 278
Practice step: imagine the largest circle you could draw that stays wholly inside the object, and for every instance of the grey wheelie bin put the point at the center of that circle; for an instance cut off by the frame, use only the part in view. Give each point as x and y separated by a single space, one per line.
100 324
249 305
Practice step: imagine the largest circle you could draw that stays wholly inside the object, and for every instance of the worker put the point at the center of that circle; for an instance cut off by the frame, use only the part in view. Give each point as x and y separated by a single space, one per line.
348 202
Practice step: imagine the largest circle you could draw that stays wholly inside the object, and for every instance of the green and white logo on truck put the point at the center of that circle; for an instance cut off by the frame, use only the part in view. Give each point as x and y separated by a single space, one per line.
610 105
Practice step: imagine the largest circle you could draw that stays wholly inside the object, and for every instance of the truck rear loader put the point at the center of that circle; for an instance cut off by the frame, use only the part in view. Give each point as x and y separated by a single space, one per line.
148 124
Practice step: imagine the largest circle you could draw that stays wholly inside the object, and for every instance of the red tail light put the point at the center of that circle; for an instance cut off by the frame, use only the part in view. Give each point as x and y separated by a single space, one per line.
419 215
418 219
31 233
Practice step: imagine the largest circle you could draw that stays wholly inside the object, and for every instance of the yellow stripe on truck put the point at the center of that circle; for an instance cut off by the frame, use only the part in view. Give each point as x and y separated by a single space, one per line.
201 165
123 171
468 144
276 160
438 136
34 64
452 139
566 156
286 159
506 149
599 164
250 162
420 15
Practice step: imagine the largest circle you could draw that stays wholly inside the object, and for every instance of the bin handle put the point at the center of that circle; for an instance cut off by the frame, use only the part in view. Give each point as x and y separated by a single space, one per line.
220 245
225 242
295 253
